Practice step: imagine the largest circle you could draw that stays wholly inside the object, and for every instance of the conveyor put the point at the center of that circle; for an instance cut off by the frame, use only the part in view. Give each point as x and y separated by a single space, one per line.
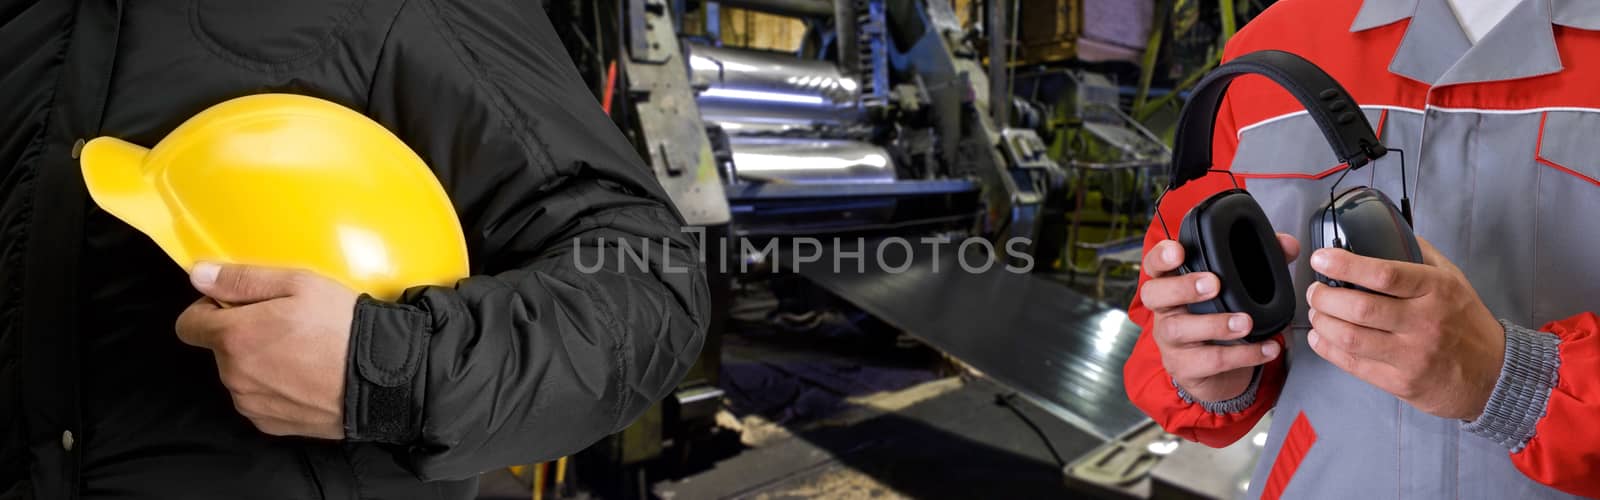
1051 344
1037 336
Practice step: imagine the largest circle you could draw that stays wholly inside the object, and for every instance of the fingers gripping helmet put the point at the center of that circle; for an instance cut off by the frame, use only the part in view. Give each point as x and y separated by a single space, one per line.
286 181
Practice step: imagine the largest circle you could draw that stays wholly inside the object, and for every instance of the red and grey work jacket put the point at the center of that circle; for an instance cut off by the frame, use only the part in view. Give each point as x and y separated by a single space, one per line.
1502 140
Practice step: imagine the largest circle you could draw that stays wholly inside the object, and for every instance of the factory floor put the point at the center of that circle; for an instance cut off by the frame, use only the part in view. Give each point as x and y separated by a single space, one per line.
955 443
857 415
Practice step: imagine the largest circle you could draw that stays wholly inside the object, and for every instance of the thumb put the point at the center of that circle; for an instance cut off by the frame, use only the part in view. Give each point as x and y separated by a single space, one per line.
237 284
1431 256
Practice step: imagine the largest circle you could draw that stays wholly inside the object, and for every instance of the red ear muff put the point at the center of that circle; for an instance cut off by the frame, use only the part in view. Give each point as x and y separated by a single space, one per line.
1228 235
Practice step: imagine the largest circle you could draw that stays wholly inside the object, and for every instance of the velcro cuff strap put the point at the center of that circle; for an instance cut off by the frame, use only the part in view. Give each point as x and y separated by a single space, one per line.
387 343
1532 362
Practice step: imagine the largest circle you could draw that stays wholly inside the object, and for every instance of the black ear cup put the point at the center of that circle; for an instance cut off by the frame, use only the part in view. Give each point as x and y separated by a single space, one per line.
1365 222
1228 235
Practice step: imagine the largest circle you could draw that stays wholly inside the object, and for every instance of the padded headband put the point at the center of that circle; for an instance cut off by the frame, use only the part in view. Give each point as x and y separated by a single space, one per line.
1334 111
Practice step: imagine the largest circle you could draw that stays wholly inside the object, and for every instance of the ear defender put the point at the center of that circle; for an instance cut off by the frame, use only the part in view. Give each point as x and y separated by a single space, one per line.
1363 221
1228 234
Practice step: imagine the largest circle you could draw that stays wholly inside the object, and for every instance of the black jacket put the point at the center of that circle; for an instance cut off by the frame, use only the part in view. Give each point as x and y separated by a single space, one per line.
529 359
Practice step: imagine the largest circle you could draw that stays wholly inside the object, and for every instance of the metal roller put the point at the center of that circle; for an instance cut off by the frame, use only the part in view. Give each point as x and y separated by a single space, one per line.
810 161
754 87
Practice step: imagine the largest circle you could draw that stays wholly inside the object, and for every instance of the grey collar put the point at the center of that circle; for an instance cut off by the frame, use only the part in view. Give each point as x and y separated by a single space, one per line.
1375 13
1436 51
1581 14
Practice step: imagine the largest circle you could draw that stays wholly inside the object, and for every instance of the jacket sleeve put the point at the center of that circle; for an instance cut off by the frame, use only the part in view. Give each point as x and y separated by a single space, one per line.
1544 404
1214 423
587 301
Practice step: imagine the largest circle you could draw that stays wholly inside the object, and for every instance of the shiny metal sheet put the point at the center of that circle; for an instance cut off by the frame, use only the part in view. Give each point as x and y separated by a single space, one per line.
1035 335
810 161
777 126
755 192
756 87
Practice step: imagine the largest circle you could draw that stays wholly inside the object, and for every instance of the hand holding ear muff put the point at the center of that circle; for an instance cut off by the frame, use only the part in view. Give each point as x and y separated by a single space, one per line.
1228 234
1363 221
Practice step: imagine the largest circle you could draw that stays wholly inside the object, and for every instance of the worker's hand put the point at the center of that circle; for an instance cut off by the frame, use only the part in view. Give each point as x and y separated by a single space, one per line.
1207 372
280 344
1432 343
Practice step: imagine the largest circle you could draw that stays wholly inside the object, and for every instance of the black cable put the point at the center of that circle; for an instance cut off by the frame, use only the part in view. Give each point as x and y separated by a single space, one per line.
1164 192
1005 400
1405 196
1332 210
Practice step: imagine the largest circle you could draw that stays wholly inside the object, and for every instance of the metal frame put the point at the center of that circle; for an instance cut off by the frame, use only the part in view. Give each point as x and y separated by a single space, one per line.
680 155
1142 107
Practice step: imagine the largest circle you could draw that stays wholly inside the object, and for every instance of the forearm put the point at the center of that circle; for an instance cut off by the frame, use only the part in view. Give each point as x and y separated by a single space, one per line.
527 364
1543 405
1215 423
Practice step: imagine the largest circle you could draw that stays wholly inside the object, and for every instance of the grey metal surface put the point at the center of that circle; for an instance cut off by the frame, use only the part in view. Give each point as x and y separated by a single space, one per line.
1035 174
956 444
847 35
1199 471
811 161
738 115
776 127
958 88
679 151
942 16
1061 349
1133 144
749 86
638 37
1147 462
754 191
1098 103
998 30
1026 150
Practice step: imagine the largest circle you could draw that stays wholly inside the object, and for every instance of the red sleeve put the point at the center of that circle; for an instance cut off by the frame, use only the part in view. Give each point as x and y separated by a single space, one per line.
1144 377
1565 449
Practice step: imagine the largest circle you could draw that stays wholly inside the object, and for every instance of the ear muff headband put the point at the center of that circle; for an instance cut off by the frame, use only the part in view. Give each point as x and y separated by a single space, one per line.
1339 117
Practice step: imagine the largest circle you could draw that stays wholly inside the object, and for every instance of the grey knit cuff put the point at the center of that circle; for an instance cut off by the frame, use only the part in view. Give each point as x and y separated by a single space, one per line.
1235 405
1526 379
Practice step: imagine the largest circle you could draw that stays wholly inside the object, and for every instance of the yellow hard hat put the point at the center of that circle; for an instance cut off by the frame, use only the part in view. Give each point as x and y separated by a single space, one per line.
286 181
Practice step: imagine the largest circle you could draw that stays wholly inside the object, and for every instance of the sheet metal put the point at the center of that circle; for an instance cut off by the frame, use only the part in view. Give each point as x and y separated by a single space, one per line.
757 87
1035 335
811 161
754 192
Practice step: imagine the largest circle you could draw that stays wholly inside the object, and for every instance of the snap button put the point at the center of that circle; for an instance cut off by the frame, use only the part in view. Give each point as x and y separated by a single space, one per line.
66 440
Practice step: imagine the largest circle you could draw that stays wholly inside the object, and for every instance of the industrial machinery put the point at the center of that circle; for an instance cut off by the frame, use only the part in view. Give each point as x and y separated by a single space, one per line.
881 125
1111 156
885 128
